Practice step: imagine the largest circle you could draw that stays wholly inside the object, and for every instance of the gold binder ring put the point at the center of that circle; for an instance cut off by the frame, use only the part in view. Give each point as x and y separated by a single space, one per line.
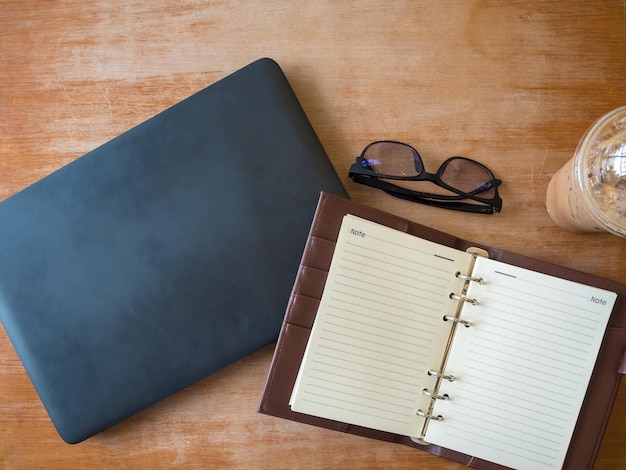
453 296
449 378
427 416
479 280
465 323
445 396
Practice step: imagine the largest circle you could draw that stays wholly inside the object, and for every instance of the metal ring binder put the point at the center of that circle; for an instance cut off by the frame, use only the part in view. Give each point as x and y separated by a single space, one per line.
449 378
479 280
427 416
465 323
464 299
445 396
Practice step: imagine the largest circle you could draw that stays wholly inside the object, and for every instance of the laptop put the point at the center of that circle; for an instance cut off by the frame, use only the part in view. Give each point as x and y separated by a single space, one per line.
163 255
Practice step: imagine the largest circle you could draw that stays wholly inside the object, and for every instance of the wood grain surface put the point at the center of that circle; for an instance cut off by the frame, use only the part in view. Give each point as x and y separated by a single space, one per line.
512 84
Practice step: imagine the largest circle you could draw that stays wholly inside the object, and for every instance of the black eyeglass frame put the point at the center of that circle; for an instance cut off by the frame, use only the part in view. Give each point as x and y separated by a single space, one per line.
361 172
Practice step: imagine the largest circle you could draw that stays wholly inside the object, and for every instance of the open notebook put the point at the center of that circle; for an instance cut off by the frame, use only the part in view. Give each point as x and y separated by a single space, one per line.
442 345
479 355
163 255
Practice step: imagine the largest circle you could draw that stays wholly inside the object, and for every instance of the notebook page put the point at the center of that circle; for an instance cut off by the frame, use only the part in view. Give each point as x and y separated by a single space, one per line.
379 328
522 368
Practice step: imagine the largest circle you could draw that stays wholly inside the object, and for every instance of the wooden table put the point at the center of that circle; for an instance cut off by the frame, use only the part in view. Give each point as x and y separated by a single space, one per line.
512 84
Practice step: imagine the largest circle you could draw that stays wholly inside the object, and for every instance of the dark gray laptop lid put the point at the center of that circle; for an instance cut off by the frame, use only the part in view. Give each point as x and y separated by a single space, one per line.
164 255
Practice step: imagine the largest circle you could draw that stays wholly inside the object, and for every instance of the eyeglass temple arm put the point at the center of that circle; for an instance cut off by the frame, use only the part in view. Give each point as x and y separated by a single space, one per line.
453 205
375 182
423 198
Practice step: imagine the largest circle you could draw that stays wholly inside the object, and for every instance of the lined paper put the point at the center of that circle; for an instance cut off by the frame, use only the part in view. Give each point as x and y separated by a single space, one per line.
379 328
523 367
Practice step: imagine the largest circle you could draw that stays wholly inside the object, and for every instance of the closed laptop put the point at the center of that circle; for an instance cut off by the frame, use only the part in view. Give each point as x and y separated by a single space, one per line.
164 255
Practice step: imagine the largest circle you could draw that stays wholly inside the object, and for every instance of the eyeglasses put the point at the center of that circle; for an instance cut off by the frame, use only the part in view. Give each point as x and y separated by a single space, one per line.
466 179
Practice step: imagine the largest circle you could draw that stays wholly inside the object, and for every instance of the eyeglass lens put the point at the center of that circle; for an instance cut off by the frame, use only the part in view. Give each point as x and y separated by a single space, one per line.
469 177
394 159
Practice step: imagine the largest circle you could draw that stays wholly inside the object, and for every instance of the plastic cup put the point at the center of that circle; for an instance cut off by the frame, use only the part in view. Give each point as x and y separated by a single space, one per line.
588 194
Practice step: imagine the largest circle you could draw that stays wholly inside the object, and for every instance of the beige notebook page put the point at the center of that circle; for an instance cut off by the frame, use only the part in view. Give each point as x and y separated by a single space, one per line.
379 328
522 368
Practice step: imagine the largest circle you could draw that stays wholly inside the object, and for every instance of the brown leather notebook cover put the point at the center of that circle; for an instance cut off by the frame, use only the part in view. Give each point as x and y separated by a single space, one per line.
307 292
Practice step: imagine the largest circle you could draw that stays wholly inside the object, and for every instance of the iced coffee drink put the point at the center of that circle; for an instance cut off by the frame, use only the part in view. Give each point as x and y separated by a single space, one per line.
588 194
